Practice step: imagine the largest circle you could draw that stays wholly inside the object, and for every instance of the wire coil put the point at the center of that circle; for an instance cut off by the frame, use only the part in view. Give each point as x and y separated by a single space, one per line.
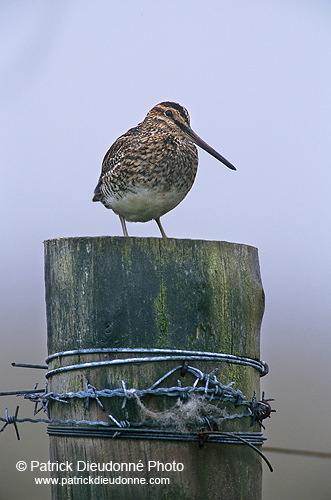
156 356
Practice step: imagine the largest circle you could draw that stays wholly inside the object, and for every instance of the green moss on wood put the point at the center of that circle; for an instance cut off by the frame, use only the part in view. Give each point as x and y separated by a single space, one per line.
161 318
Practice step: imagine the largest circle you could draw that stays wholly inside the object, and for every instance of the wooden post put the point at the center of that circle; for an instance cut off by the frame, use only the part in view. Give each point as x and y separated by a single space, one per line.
131 293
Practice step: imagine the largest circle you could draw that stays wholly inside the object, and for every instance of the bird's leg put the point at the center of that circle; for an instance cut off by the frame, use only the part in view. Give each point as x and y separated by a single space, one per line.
125 231
158 222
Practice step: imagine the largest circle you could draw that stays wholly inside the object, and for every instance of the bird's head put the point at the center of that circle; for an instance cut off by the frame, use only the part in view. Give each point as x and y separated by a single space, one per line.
175 118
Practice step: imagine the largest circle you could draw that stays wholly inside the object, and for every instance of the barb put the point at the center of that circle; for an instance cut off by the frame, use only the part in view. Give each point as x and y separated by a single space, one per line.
22 393
28 365
261 409
10 420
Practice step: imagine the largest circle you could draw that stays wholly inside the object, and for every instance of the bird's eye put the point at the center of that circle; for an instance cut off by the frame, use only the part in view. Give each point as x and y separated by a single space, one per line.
169 113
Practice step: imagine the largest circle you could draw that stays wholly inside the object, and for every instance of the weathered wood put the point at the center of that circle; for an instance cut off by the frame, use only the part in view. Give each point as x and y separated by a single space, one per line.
115 292
149 293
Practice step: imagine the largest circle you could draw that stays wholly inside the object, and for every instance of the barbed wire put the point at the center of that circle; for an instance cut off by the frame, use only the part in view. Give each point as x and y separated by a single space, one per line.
212 389
249 439
205 388
42 398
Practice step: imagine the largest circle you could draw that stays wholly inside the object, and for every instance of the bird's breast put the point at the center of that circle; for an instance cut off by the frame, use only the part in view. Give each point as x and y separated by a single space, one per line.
141 204
146 179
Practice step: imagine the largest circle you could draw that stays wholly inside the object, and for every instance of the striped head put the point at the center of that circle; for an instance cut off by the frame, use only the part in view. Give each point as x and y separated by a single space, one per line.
169 116
174 118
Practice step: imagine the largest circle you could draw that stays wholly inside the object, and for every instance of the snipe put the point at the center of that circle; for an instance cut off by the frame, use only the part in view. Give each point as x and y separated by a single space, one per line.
149 170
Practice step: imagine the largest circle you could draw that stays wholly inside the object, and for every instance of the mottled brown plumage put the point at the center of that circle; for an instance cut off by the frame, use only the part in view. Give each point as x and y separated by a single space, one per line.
149 170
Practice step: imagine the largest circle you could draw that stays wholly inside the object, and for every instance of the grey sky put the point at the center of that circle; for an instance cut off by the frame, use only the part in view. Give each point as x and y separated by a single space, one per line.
255 78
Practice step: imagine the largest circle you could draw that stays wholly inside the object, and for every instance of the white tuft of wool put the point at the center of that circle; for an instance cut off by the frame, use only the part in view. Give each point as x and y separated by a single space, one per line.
185 416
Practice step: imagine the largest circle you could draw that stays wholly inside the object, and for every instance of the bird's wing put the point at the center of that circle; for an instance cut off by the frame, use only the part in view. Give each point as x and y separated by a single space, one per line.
112 157
115 150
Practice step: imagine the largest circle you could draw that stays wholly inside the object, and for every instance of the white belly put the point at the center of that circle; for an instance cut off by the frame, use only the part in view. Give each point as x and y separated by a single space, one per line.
144 204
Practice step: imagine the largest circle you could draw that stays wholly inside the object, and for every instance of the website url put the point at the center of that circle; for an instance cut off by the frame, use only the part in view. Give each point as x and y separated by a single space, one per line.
101 480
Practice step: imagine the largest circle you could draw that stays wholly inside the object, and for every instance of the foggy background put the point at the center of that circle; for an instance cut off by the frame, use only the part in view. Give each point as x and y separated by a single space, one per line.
255 77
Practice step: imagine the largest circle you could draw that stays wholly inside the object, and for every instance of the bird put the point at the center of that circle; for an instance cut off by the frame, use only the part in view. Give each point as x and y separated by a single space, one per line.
150 169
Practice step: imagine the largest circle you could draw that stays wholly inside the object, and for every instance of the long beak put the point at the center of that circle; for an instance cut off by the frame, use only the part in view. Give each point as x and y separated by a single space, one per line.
199 142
